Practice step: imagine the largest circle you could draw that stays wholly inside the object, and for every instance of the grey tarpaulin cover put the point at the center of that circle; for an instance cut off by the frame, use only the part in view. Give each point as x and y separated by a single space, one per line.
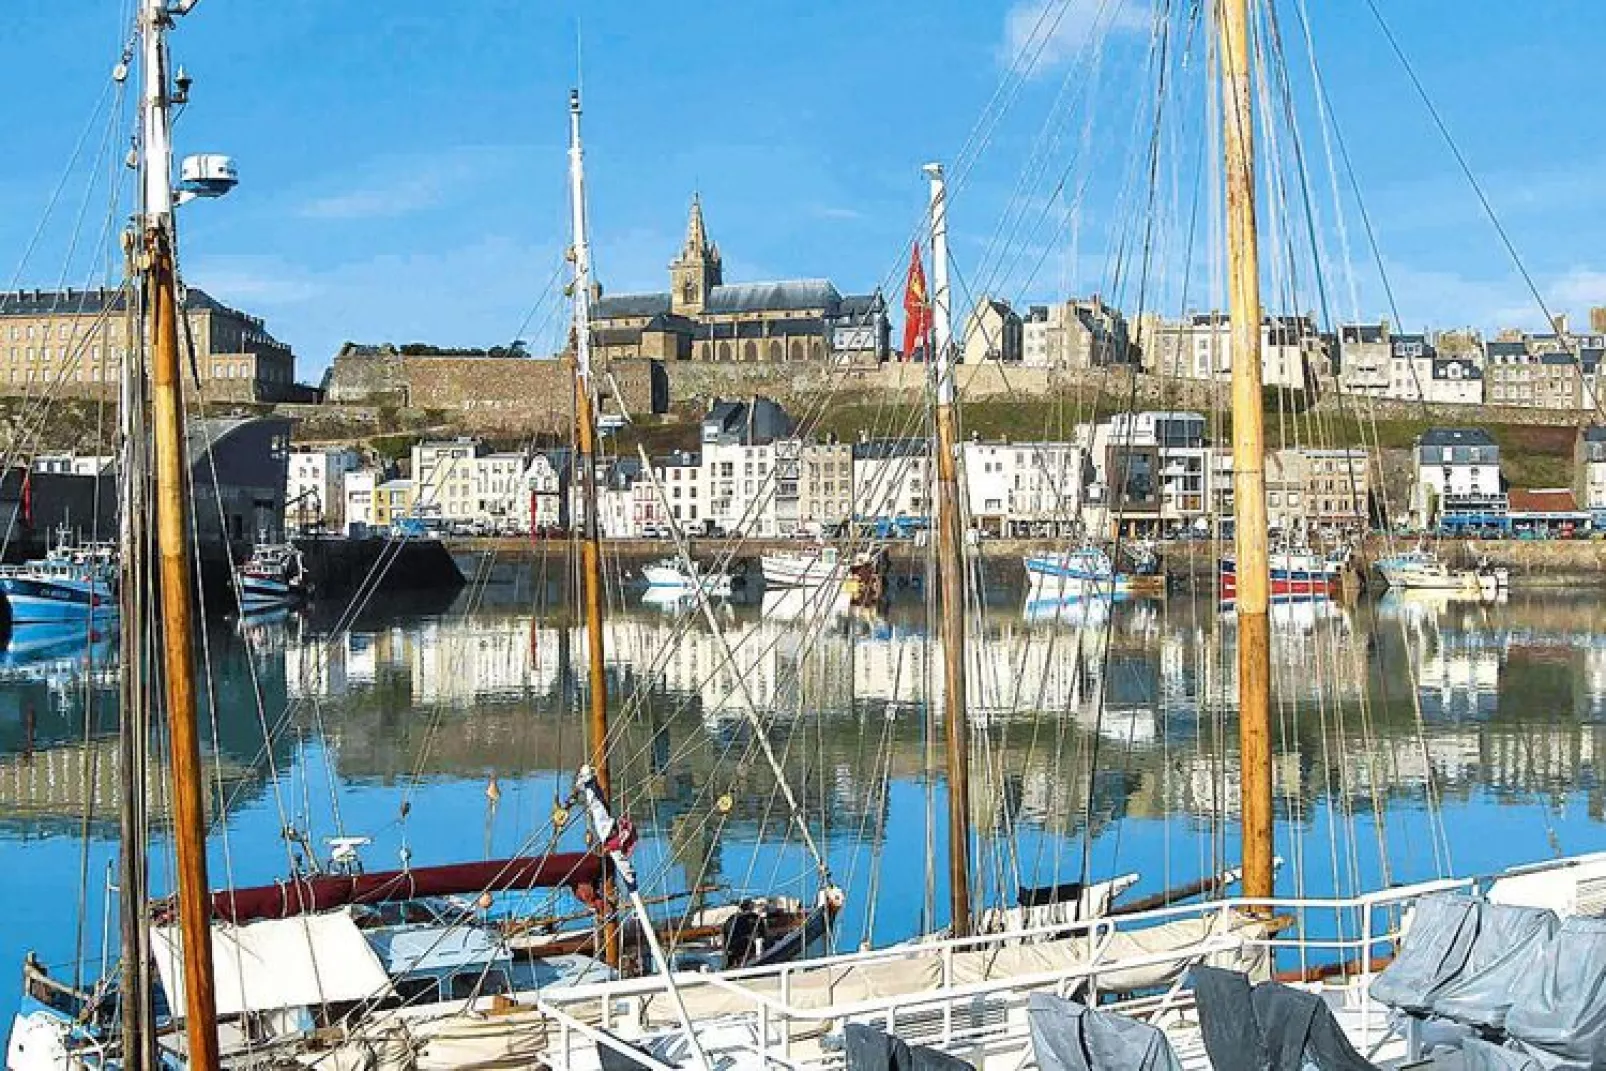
1479 1055
1067 1036
1559 1007
1269 1027
873 1049
1510 945
1433 954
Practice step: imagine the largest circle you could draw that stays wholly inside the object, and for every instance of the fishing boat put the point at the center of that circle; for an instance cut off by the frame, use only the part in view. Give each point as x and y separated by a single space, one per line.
273 576
672 575
73 583
1090 571
1294 574
1423 570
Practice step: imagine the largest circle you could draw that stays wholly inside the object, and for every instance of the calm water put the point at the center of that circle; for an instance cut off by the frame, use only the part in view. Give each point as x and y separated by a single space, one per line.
1108 744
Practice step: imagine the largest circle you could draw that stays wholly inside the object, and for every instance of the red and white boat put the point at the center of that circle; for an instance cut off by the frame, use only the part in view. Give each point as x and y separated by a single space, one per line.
1295 574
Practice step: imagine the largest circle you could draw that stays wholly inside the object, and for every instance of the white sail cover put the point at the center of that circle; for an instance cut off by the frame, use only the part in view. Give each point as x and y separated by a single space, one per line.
278 963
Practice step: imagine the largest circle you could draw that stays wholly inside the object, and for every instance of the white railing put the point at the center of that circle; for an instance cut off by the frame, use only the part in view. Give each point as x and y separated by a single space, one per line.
986 1012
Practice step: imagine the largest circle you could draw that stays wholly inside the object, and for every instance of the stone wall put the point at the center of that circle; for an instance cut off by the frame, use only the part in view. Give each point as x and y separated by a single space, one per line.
493 394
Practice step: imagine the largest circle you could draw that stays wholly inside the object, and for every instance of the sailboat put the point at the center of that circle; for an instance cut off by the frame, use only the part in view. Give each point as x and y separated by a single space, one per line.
1422 569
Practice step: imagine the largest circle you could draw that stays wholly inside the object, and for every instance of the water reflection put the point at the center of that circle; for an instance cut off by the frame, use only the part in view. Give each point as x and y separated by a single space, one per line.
1107 742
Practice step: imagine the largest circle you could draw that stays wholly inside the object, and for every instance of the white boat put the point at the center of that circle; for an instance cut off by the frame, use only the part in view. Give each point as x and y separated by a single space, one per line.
73 583
272 577
673 574
1423 570
861 573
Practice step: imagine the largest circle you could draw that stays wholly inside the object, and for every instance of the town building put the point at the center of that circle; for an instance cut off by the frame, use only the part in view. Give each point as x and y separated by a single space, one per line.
1075 334
993 332
547 480
739 465
315 492
358 491
824 486
679 476
1589 472
1411 359
1151 473
237 477
74 464
443 479
393 502
73 342
1338 489
1455 381
1365 359
891 480
1201 348
1024 488
702 318
1458 483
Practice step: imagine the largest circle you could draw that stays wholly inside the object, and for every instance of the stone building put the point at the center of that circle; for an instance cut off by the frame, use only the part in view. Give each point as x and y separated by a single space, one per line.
702 318
1365 359
73 342
993 332
1075 334
1200 347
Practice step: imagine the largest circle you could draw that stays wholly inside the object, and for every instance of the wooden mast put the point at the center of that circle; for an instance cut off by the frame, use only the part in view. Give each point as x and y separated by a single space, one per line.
177 587
586 455
1248 450
951 568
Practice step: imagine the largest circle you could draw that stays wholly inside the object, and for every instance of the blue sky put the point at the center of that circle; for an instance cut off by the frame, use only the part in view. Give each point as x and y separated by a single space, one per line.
404 173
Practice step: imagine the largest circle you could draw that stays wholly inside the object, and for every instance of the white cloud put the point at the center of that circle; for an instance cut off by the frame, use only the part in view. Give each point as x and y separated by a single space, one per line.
405 184
1046 33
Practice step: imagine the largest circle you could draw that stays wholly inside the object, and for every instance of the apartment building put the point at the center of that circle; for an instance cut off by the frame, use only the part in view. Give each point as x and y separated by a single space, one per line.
315 494
73 342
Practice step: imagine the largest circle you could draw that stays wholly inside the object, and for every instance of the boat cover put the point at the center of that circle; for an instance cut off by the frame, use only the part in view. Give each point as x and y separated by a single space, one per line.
1480 1055
870 1048
1433 954
278 963
1269 1026
1067 1036
1511 942
1559 1006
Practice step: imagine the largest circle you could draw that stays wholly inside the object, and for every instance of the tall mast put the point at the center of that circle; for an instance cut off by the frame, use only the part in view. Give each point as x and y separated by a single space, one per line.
950 567
133 726
1248 451
177 587
586 448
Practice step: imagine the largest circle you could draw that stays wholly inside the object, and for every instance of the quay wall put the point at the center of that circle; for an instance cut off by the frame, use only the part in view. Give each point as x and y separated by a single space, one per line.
1533 563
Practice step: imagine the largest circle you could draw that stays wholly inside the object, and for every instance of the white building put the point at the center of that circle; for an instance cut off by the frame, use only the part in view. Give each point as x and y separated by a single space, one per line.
74 464
315 487
1456 381
891 479
1024 488
1201 348
1457 478
358 491
545 479
443 479
739 471
1589 470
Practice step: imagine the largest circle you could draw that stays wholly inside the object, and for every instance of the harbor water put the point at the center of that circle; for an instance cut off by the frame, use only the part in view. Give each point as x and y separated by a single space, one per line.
1414 737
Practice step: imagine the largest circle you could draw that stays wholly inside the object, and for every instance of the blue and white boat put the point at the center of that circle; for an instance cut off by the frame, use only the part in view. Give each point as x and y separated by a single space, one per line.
72 583
1090 571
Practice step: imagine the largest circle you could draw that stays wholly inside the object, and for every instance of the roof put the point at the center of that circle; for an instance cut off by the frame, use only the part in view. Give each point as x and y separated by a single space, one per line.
1595 433
278 963
75 302
865 305
619 306
794 294
1545 500
1361 333
1469 368
1455 437
406 949
208 433
1505 349
888 449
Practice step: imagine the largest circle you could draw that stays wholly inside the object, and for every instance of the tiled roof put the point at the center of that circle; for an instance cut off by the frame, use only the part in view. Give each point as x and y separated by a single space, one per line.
1554 500
795 294
1456 437
620 306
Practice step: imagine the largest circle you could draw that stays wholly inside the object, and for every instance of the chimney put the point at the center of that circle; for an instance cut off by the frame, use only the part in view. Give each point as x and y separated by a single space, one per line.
1559 323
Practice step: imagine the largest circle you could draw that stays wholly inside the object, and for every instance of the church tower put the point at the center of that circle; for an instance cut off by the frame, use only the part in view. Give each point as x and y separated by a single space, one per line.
697 270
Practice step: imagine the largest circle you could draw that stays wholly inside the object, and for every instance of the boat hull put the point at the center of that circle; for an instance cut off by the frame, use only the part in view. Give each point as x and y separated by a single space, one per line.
265 592
1052 579
56 601
788 571
1288 582
666 579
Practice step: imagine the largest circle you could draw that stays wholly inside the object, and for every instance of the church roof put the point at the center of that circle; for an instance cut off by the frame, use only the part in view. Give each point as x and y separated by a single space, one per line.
794 294
620 306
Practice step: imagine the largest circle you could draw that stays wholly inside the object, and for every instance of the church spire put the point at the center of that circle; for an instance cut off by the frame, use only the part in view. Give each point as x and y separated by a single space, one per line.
696 235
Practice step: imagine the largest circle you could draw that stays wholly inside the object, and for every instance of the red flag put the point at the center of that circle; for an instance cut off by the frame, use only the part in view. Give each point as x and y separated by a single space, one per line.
916 308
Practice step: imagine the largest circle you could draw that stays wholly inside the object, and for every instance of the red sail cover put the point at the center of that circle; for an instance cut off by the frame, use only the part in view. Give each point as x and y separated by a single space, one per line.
580 871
